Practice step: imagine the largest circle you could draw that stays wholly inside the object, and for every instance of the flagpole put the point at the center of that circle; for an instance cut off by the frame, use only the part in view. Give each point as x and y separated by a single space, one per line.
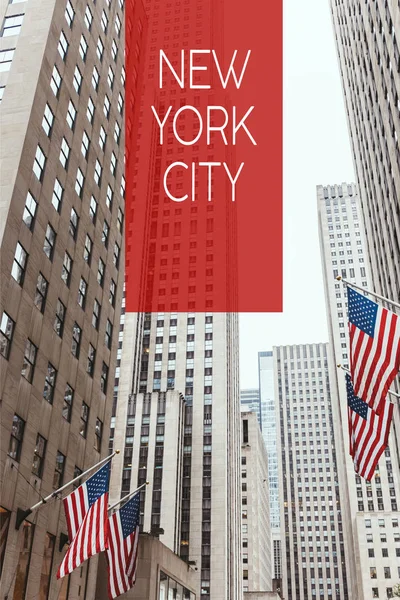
389 391
22 514
127 496
357 287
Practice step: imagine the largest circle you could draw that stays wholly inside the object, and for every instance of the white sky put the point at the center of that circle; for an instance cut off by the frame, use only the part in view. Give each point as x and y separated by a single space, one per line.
316 151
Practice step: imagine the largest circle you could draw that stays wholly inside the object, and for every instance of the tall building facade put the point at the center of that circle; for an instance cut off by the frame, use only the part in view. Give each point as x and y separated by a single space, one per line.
61 231
368 44
372 507
314 540
256 528
250 402
269 408
194 356
165 349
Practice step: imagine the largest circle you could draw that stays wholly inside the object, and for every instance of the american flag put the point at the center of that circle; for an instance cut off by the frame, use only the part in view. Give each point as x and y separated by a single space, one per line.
369 432
374 348
123 548
87 520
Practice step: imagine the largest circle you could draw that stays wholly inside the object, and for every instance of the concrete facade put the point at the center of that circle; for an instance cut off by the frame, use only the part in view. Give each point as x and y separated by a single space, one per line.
158 569
196 355
368 45
343 251
256 529
62 251
314 551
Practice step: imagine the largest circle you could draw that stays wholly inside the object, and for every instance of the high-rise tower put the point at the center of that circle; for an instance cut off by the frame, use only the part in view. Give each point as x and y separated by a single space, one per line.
61 232
372 507
314 557
368 44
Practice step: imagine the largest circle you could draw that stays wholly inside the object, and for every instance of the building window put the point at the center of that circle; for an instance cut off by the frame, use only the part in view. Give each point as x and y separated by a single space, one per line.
67 405
109 197
38 456
50 383
105 233
95 79
110 78
79 182
117 132
120 220
48 119
59 470
71 115
63 46
96 314
39 163
28 365
118 25
66 269
87 252
98 435
41 293
116 255
55 82
93 209
104 378
73 223
82 291
58 192
84 419
64 153
59 318
88 18
6 57
101 272
76 340
91 360
85 144
106 107
108 334
113 163
100 49
372 572
104 21
47 563
12 25
69 13
29 211
19 264
102 138
97 172
17 434
49 242
113 289
386 572
6 333
90 110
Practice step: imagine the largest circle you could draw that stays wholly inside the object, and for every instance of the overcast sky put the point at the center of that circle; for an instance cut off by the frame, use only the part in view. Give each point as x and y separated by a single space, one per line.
316 151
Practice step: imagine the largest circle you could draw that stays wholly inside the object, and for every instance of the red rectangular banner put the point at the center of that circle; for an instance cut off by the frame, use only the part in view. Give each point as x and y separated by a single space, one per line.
203 156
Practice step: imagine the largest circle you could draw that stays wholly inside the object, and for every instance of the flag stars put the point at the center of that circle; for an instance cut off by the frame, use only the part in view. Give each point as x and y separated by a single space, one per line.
362 312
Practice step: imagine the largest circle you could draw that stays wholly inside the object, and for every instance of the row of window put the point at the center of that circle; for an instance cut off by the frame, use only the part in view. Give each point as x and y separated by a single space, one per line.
17 436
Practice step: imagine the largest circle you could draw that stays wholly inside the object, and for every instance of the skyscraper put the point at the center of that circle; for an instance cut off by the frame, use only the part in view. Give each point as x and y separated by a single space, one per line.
250 402
368 44
372 508
194 354
314 540
256 528
61 230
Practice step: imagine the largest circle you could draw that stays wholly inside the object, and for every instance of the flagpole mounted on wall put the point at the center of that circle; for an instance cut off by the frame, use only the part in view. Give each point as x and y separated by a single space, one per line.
23 514
366 291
